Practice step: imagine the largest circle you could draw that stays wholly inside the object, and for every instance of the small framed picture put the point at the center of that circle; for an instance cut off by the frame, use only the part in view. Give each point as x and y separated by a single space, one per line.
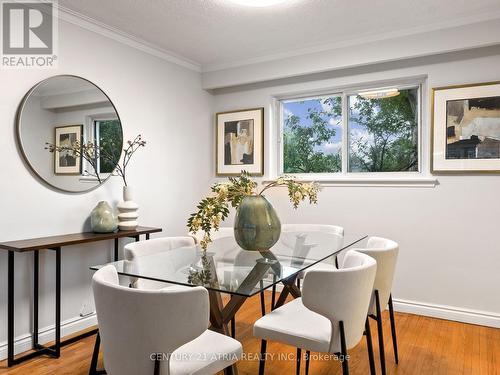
240 142
66 162
466 128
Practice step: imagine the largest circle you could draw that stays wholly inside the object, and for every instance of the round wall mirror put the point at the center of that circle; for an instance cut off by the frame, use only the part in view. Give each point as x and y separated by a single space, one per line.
69 133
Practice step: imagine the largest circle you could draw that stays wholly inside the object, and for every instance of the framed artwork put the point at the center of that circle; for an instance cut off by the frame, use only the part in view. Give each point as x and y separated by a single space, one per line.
65 162
466 128
240 142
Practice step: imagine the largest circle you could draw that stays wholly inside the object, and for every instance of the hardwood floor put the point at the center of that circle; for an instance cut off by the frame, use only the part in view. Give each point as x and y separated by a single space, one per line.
426 346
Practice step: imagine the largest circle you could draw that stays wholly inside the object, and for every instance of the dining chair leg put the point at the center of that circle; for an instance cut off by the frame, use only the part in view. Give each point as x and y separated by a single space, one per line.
262 301
262 304
336 262
233 327
157 367
343 347
380 332
298 283
262 361
369 346
299 357
308 360
393 330
273 297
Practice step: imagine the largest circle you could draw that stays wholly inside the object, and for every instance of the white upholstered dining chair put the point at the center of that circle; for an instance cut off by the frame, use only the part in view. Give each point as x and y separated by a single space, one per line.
134 250
158 331
331 316
385 252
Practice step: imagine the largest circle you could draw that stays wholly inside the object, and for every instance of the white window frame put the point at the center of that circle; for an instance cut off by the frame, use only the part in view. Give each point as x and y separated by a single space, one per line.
90 134
421 177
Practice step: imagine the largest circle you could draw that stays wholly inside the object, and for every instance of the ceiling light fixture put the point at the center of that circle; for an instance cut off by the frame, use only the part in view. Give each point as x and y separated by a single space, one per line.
379 94
258 3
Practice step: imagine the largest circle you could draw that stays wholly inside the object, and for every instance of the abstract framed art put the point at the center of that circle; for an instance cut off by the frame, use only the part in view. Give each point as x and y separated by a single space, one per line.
466 128
240 142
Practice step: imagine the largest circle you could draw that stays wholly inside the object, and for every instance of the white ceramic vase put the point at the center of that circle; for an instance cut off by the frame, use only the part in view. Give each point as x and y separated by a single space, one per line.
127 216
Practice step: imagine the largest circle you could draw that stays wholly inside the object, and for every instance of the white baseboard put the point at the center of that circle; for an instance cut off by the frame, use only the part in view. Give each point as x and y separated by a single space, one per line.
482 318
68 327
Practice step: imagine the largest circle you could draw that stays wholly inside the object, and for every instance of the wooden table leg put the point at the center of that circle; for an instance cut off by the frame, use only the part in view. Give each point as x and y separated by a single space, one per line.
216 317
220 316
289 287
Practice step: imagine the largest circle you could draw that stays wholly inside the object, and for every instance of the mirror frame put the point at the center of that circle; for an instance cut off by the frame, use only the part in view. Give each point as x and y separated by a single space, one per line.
20 142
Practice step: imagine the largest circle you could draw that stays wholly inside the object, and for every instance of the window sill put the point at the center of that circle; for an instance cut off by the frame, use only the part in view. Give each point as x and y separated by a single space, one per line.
88 180
420 181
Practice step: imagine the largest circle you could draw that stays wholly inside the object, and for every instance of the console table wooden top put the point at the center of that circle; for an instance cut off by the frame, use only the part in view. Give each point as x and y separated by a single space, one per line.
72 239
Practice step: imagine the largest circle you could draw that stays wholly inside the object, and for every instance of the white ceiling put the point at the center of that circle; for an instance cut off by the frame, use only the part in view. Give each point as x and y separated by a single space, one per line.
63 85
218 33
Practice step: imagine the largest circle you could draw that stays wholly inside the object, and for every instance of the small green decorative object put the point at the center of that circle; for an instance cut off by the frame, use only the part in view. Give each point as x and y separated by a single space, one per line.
103 218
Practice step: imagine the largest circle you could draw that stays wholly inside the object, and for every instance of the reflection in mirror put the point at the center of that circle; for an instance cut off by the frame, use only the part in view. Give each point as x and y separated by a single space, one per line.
73 118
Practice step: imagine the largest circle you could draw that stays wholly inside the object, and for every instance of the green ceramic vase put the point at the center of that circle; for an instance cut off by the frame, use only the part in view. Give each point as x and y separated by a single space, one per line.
103 218
256 225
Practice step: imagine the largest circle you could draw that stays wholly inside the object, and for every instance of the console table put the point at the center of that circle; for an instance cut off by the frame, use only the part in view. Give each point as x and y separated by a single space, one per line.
54 243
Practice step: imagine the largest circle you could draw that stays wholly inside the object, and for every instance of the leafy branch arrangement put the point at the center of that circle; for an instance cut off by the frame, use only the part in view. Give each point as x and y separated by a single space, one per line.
87 150
214 209
107 152
128 152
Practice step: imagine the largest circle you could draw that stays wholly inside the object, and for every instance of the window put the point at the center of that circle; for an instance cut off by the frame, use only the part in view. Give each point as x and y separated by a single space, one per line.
108 135
312 135
352 132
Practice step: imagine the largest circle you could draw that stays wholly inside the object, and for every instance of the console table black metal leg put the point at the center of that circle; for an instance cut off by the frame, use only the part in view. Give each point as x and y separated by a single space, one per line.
147 236
58 302
95 356
10 313
116 250
55 349
35 297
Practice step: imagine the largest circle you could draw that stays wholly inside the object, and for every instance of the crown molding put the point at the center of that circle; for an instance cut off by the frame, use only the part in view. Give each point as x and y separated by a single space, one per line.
100 28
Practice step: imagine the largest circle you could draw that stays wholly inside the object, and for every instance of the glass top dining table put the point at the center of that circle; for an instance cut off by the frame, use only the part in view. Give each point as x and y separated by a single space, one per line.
226 268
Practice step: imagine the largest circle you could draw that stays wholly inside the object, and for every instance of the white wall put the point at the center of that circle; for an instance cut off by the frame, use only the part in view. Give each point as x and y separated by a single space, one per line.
448 234
163 102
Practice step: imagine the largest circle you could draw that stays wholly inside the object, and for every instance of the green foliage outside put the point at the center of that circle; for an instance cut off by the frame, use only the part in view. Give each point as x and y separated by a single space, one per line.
301 154
383 135
111 141
392 126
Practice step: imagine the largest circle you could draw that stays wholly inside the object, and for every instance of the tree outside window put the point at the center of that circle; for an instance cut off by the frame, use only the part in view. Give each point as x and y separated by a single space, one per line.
312 136
382 133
